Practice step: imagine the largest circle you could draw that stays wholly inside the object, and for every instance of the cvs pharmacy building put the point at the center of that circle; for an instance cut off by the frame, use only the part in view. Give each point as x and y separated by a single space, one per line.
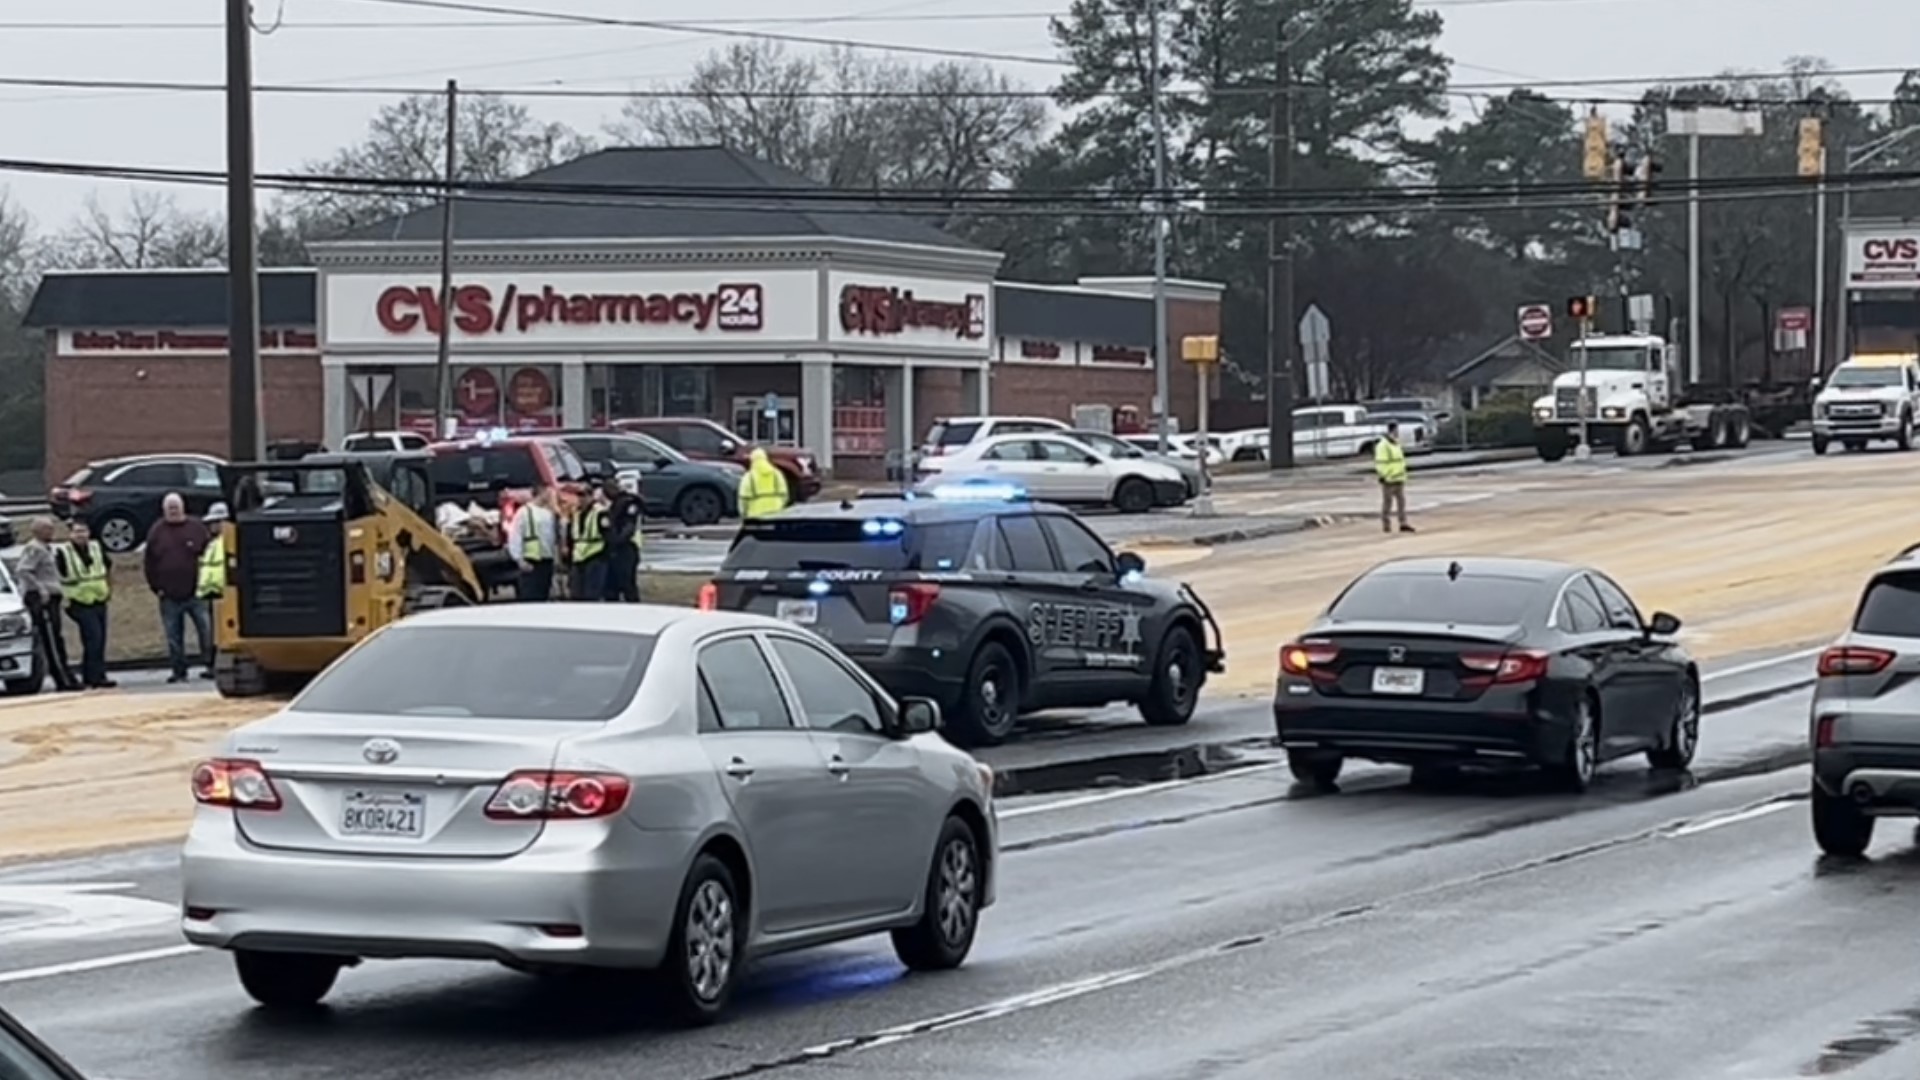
835 329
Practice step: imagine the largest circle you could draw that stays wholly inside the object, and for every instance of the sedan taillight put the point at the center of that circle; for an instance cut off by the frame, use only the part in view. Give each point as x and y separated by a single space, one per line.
543 795
1302 659
234 783
1516 666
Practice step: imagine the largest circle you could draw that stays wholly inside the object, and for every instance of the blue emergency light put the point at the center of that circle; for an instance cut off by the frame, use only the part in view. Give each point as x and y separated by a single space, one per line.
882 527
816 587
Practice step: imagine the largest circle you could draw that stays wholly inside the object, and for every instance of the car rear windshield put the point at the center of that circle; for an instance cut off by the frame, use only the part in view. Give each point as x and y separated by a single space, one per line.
500 673
1891 607
362 443
846 545
478 470
947 433
1481 600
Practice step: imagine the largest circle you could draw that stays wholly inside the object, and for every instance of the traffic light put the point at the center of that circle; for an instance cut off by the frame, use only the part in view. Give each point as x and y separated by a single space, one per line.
1617 193
1813 155
1595 164
1580 308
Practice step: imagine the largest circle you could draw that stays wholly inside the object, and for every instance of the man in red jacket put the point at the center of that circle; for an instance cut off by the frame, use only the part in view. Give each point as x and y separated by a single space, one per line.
174 545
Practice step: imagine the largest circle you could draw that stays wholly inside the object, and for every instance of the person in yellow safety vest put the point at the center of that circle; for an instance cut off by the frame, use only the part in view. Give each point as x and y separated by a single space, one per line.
587 548
763 490
85 577
533 540
1390 465
212 586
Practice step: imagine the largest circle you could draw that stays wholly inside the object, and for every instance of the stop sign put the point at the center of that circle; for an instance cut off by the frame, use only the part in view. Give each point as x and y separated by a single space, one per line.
1536 322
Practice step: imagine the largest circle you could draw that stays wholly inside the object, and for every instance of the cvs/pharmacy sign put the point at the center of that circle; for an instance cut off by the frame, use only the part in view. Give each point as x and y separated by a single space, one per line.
1883 259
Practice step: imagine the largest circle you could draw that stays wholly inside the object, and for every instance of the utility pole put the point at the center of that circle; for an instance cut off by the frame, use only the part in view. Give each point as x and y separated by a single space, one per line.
443 361
1280 328
1694 372
246 441
1162 373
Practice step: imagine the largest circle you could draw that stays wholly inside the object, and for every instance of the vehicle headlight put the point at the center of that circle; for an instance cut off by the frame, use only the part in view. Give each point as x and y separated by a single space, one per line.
1613 412
1543 414
15 625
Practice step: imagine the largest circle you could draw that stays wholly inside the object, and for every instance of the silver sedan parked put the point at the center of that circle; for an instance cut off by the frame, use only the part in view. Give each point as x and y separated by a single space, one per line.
563 786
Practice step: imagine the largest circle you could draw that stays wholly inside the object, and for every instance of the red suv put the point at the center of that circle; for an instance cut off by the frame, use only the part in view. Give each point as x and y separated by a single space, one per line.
704 440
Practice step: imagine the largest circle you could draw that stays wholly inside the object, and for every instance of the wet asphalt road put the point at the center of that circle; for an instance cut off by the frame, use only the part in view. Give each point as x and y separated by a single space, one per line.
1232 927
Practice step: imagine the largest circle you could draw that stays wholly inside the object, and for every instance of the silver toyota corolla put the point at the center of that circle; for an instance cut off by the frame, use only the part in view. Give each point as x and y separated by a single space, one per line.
558 786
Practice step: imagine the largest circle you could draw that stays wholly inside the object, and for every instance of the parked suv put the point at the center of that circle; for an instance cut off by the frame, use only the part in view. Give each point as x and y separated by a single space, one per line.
671 484
1866 743
703 440
120 497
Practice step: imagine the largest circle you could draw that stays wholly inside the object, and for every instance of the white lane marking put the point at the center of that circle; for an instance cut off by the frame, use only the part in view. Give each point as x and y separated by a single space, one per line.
97 963
1127 793
90 909
1732 818
1078 801
1762 665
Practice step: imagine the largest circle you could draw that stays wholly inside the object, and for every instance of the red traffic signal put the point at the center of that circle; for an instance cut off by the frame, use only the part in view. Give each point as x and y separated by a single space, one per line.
1580 307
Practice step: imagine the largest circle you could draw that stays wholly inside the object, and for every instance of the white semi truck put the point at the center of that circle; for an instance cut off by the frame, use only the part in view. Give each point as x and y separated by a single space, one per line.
1635 402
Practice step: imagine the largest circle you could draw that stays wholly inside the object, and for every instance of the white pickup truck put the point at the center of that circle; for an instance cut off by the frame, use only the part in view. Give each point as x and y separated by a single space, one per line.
1633 402
1869 397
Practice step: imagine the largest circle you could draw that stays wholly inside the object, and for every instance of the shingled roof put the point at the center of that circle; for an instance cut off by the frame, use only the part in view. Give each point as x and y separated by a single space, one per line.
718 203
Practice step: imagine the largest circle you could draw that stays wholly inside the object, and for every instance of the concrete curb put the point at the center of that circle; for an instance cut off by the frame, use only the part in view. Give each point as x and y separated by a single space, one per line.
1240 534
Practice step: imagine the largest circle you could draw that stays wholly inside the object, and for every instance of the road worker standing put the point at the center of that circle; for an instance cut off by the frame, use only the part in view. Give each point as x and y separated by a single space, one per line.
85 578
587 548
763 491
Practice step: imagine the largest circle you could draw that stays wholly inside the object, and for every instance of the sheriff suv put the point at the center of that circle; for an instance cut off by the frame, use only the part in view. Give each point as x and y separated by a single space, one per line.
993 606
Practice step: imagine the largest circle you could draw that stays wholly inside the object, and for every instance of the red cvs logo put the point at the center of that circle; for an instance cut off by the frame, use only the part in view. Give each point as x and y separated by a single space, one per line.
403 309
1904 249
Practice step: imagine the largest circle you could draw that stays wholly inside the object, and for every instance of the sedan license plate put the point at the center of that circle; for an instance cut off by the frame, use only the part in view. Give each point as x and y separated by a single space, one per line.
799 612
374 813
1399 680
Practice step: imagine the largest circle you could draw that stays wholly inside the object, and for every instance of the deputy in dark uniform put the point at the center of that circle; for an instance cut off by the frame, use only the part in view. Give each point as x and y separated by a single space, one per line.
625 515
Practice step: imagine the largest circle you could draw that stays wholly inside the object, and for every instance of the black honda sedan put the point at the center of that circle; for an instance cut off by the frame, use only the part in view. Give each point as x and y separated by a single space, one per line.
1445 663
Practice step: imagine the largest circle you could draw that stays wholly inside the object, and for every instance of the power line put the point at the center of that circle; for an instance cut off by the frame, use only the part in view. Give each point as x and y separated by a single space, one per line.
726 32
551 21
1474 91
1492 198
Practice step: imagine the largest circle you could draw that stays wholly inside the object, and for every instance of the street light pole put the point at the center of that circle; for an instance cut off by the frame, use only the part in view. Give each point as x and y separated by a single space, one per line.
1820 268
245 441
1162 373
1693 258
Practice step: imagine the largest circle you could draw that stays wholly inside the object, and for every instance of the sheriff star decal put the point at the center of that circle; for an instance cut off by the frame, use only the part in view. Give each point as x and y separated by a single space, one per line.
1106 636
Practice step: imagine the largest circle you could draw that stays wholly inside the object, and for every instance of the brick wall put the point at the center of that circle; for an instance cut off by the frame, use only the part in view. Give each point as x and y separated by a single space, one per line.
100 407
1052 390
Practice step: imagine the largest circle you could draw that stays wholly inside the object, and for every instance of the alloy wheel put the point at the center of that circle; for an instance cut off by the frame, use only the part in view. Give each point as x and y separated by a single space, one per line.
957 890
710 940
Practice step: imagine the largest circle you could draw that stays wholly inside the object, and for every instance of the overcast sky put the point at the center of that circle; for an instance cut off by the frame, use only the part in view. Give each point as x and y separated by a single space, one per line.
1490 40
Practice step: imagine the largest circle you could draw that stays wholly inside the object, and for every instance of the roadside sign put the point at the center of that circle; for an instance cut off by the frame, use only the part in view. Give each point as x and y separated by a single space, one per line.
1536 322
1319 380
1790 329
371 389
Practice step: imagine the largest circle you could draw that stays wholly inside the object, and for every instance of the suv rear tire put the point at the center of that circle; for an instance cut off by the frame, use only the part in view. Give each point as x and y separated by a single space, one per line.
990 702
1839 826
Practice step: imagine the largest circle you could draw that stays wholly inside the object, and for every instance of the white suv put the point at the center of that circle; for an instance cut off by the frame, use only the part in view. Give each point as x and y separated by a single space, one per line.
951 434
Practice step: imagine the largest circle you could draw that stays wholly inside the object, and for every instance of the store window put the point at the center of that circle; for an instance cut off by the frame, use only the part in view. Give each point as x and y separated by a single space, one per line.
519 397
622 391
859 411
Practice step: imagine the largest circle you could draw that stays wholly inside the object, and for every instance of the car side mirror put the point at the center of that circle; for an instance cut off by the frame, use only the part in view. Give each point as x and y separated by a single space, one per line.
918 716
1093 459
1663 624
728 446
1129 563
661 462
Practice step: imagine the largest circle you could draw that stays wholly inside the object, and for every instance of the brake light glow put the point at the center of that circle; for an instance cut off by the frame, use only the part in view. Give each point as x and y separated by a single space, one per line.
1515 666
910 603
1302 659
77 495
709 597
1853 660
540 795
234 783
